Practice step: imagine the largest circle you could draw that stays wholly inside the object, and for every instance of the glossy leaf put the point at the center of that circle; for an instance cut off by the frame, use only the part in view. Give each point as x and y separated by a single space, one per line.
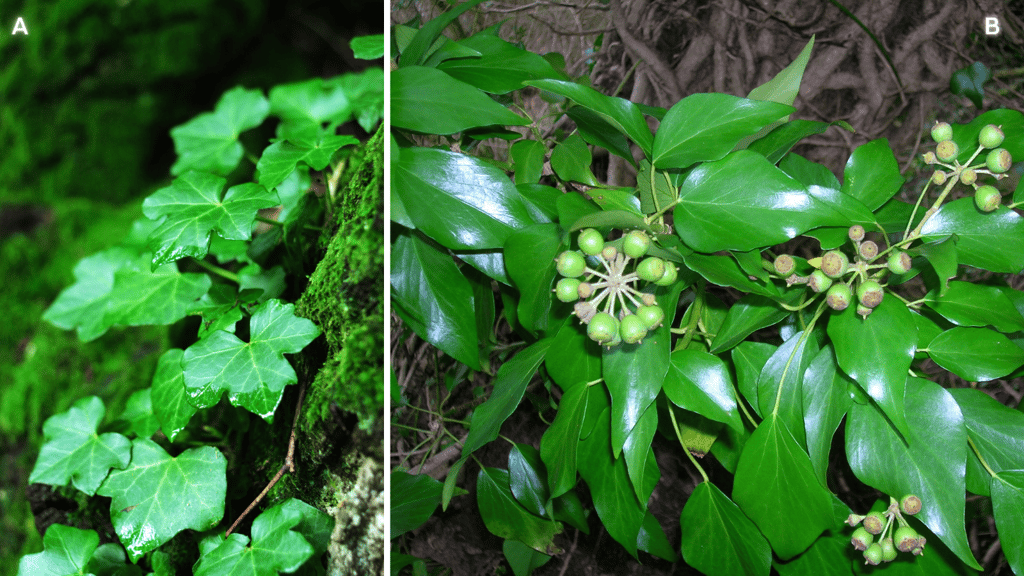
578 357
530 260
636 451
570 159
434 298
418 47
997 432
141 296
825 403
876 352
504 517
700 382
776 488
970 304
253 373
978 232
460 201
528 478
976 354
83 305
1007 503
970 81
194 206
706 127
560 443
528 160
157 496
718 539
930 466
740 203
624 115
776 144
308 105
209 142
830 555
941 254
66 552
280 159
509 387
429 101
599 132
749 358
501 67
724 271
414 497
138 417
750 314
872 174
780 384
75 452
170 399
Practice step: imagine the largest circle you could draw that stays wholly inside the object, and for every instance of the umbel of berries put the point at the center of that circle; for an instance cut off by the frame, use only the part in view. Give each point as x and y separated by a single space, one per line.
606 296
892 529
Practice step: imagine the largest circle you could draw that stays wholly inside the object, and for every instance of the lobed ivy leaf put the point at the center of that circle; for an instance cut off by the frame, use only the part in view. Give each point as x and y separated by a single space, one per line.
66 552
209 142
170 399
308 105
368 47
978 233
252 373
280 159
718 539
138 417
75 452
970 81
571 159
83 305
194 206
157 496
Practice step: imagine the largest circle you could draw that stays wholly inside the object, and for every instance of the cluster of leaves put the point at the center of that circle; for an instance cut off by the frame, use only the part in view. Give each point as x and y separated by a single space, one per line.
151 461
718 188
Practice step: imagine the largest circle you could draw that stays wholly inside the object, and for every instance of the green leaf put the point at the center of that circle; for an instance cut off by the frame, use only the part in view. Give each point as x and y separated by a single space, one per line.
724 271
997 432
275 547
718 539
307 105
776 488
931 466
636 451
504 517
578 357
157 496
1007 502
501 66
876 352
528 478
701 383
220 309
570 159
749 358
970 304
624 115
170 400
209 142
413 500
83 305
559 445
270 281
978 233
529 259
599 132
825 403
193 207
528 160
253 373
419 45
368 47
280 159
976 354
662 193
748 315
138 414
521 558
429 101
706 127
872 174
460 201
75 452
434 298
66 551
743 202
830 555
509 387
783 374
142 296
970 82
941 254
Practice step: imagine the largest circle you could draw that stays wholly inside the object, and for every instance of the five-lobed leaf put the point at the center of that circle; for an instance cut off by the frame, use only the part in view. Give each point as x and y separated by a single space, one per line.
75 452
209 142
170 399
279 160
66 552
253 373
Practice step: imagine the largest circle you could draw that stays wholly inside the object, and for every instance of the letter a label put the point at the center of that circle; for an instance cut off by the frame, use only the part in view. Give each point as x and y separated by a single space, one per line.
19 26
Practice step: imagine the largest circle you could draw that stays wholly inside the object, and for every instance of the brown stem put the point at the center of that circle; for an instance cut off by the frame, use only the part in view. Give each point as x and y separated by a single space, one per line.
288 466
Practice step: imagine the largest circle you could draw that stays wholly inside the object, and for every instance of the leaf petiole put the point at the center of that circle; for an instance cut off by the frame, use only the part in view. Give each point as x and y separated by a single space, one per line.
217 270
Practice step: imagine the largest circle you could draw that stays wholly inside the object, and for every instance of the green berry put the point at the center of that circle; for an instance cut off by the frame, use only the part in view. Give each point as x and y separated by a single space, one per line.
636 244
888 550
856 232
998 160
670 276
873 555
567 289
968 177
819 282
784 264
863 311
929 157
839 296
899 262
585 290
987 198
854 519
905 538
591 242
570 264
651 269
648 299
990 136
585 311
910 504
652 316
939 177
868 250
834 264
602 327
874 522
942 132
632 329
870 293
947 150
861 539
609 253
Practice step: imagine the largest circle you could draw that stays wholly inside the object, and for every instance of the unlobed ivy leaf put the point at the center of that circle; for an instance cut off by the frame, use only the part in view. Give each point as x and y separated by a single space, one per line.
209 142
560 443
570 159
528 478
700 382
997 432
1007 503
979 234
194 206
506 518
941 254
825 403
828 556
970 304
872 174
976 354
970 81
718 539
252 373
170 400
428 100
75 452
501 66
529 254
368 47
414 497
66 552
780 384
157 496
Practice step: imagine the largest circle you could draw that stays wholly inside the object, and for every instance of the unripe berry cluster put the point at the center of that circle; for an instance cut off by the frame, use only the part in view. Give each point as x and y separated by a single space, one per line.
893 531
996 162
628 314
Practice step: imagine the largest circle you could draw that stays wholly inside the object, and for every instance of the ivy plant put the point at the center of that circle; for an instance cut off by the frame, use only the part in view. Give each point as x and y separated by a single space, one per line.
679 307
226 242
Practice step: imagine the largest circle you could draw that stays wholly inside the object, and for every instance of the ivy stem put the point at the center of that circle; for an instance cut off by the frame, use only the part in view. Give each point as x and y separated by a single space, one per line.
789 361
270 221
931 211
217 270
675 426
